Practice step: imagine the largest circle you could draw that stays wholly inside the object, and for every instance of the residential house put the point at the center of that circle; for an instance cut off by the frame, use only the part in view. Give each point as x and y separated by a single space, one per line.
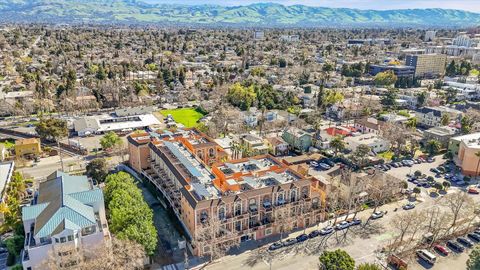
369 125
277 146
441 134
298 139
27 147
66 222
254 144
376 143
6 172
432 116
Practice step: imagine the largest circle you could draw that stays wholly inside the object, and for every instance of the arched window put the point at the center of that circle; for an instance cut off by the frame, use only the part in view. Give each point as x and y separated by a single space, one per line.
293 195
280 199
315 204
203 216
211 152
252 205
305 192
221 213
238 208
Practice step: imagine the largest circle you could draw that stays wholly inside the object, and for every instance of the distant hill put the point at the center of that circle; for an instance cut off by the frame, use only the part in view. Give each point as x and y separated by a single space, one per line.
255 15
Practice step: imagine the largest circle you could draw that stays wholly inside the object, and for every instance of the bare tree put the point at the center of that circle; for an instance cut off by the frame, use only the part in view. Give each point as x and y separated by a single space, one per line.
460 206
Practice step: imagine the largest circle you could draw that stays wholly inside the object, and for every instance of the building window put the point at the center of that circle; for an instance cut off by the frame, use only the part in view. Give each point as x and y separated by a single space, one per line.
280 199
238 226
293 195
305 192
268 231
88 230
203 216
44 240
221 213
238 208
315 203
63 239
70 238
252 205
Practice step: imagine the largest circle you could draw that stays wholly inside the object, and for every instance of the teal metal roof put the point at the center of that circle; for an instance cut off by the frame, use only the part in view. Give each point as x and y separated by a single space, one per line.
64 202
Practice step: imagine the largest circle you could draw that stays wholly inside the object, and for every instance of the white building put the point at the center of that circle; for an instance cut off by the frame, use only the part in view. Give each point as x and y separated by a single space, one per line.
66 222
104 123
462 40
430 36
376 143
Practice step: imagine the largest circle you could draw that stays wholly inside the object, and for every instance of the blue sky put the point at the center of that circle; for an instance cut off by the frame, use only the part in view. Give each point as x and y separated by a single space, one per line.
470 5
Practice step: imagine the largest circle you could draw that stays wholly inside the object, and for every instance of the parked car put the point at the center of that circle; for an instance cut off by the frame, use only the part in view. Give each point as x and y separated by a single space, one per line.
328 162
464 241
408 206
290 242
324 165
326 230
441 249
275 246
301 238
342 225
314 234
473 191
394 164
455 246
355 222
430 160
314 164
435 170
474 236
378 215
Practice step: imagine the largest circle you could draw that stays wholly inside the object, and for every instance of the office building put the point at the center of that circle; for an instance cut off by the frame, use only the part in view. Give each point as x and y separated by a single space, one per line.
430 36
427 65
398 70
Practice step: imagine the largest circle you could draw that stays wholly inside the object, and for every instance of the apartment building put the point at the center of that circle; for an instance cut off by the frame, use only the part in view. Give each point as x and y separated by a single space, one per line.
427 65
376 143
65 223
233 201
27 147
467 157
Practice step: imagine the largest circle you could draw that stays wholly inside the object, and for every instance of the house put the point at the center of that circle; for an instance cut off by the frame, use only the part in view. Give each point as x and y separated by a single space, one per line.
441 134
6 171
27 147
432 116
277 146
66 221
254 144
376 143
369 125
3 152
299 140
104 123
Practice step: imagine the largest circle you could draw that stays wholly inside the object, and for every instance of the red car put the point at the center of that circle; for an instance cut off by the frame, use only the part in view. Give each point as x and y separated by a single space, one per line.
441 249
473 191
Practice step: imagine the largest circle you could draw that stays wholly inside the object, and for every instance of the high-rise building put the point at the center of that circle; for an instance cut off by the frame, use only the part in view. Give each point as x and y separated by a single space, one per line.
430 35
427 65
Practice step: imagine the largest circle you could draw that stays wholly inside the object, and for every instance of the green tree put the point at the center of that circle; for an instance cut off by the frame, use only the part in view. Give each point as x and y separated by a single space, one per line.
385 78
337 144
433 146
97 169
466 124
438 186
361 153
446 185
110 141
445 120
451 69
389 100
369 266
129 215
337 260
416 190
473 262
52 129
421 99
412 123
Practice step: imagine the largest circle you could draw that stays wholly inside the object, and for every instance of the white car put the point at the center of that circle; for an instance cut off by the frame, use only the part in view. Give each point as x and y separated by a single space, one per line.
377 215
342 225
408 206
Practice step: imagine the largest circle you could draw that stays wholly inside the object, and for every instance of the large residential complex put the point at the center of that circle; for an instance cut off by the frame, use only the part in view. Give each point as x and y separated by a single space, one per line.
467 156
427 65
240 200
66 221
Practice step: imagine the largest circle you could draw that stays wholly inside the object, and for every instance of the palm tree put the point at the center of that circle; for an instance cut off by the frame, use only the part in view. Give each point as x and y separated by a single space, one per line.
477 154
337 144
433 146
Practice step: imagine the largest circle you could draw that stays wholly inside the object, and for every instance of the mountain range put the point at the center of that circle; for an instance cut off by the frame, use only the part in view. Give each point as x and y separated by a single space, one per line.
254 15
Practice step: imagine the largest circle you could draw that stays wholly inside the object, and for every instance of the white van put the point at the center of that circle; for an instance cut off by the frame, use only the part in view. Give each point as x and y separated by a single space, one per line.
427 256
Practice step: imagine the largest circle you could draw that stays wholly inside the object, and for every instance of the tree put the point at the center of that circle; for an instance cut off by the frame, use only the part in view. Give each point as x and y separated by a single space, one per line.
459 204
445 120
337 144
466 124
385 78
433 146
361 153
412 123
451 69
446 185
126 204
416 190
337 260
389 100
110 141
473 262
369 266
438 186
421 99
97 169
53 129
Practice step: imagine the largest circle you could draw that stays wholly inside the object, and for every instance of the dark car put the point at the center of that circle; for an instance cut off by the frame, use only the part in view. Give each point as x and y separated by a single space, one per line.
455 246
388 166
474 236
435 170
289 242
329 162
275 246
313 234
354 222
465 242
302 237
395 165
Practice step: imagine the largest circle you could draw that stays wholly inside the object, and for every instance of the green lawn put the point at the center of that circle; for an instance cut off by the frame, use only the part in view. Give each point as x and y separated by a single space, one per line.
386 155
186 116
8 144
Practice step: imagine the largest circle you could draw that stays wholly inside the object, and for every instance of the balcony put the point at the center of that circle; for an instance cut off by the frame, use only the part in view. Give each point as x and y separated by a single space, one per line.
267 205
253 209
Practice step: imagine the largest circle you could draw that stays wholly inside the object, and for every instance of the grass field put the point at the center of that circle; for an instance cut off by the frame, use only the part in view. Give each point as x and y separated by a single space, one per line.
186 116
8 144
